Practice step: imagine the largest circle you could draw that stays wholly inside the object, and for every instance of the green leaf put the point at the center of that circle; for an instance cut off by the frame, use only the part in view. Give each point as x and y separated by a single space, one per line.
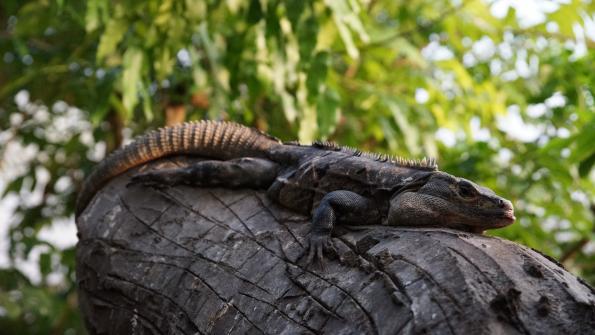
45 263
115 104
584 143
113 34
195 9
317 73
461 74
163 63
14 186
92 16
12 308
347 20
389 134
409 51
164 15
399 113
566 16
131 79
147 108
585 166
328 104
307 35
345 34
295 10
254 13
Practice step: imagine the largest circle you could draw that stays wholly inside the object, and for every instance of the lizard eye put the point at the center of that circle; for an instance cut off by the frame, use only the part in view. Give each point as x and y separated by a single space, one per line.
466 190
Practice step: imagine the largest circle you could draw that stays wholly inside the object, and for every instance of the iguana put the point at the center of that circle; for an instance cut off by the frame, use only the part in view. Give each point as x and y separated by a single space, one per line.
334 184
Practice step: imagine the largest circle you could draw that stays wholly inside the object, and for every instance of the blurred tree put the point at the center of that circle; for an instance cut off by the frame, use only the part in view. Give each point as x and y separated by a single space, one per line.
500 95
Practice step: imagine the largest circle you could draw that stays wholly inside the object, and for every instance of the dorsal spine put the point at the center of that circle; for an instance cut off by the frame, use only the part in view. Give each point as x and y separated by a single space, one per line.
426 164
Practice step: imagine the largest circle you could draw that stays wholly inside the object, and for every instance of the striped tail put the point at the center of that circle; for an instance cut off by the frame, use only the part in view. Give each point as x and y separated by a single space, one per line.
219 140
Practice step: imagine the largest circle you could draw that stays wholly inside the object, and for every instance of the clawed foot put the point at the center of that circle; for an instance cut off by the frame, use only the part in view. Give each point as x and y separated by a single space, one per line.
317 248
158 180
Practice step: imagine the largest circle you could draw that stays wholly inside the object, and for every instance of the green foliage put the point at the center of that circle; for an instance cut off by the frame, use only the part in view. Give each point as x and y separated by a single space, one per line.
42 308
507 104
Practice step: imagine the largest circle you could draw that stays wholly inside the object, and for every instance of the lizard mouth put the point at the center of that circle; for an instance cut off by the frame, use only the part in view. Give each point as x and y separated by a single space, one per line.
501 218
509 215
486 218
490 220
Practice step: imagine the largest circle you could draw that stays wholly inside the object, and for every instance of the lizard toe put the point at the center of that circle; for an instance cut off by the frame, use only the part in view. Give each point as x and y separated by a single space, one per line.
318 247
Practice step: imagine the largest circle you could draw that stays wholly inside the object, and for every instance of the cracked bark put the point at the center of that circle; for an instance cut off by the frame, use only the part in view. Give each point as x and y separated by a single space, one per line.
190 260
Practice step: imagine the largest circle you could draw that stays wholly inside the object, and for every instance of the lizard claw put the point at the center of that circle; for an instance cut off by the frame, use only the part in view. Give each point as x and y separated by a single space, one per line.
318 246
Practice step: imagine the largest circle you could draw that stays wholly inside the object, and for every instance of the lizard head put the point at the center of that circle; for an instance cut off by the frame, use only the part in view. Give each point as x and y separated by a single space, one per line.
439 199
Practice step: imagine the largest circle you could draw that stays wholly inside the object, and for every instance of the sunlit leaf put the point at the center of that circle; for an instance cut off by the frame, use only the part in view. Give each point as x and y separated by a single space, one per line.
409 133
114 32
146 97
92 19
566 16
317 72
164 14
463 77
347 21
328 104
131 76
584 143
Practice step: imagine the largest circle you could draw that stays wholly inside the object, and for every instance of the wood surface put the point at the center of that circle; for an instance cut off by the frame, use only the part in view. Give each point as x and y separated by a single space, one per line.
187 260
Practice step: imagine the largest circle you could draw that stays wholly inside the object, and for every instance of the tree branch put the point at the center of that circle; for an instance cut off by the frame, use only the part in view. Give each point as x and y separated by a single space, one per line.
211 261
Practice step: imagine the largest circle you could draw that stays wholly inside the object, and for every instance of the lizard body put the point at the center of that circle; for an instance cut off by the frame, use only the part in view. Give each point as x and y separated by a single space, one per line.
335 184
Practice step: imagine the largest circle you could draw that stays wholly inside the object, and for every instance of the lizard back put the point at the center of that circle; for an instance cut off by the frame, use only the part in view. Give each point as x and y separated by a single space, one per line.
213 139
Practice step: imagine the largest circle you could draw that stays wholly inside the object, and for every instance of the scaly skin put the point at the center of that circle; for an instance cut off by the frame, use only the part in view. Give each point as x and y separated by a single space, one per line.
218 140
334 184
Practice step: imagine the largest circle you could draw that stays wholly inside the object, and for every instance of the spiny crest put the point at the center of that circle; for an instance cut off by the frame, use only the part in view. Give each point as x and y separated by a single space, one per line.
423 164
354 151
328 145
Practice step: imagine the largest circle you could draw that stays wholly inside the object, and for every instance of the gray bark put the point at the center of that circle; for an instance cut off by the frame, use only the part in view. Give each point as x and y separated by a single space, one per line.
190 260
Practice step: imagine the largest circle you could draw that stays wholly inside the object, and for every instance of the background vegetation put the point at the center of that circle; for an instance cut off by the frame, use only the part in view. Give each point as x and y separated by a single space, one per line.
501 95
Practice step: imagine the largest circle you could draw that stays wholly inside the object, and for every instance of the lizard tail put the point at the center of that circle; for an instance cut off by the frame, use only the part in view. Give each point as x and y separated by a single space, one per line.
213 139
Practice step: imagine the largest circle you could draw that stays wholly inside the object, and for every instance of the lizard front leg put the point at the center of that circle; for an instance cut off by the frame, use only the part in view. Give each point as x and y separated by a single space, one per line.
254 173
337 207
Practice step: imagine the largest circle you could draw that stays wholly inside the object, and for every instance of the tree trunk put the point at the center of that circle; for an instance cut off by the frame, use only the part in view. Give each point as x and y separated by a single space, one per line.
190 260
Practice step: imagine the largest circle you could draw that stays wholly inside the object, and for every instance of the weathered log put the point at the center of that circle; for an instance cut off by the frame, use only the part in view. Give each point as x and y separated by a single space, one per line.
188 260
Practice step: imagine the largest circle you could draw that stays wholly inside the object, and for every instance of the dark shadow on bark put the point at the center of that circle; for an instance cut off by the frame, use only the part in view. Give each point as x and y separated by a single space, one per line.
188 260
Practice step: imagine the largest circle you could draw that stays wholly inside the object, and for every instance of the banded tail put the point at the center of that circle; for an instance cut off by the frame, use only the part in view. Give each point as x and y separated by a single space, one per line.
219 140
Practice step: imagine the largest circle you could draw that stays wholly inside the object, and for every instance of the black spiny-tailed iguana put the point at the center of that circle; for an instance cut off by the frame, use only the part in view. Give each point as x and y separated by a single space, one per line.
334 184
